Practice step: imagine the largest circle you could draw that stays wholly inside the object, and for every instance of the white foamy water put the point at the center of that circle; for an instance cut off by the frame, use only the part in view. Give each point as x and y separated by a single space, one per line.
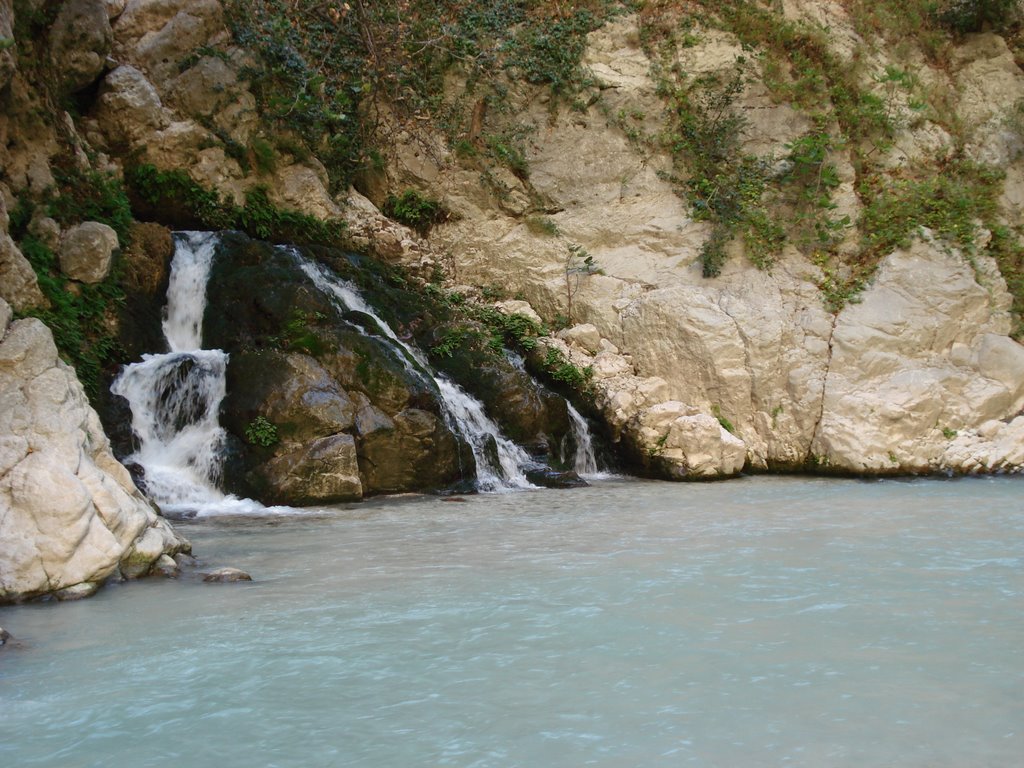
463 413
175 397
759 622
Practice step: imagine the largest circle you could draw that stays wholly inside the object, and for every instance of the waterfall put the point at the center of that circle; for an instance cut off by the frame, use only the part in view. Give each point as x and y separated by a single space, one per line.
584 461
175 397
463 413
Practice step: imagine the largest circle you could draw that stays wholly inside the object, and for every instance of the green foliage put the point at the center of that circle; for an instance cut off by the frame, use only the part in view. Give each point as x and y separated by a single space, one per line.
258 217
550 52
415 210
975 15
1008 252
87 195
542 225
453 339
561 370
726 424
950 203
299 335
77 316
514 329
261 432
948 433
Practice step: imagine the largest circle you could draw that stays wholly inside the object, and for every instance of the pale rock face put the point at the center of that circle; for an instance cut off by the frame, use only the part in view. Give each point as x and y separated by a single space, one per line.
129 109
693 443
989 84
80 40
87 251
872 390
917 358
19 285
69 512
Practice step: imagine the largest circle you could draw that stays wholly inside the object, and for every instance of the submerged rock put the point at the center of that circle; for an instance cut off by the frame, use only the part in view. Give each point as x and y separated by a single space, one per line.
4 636
546 477
226 576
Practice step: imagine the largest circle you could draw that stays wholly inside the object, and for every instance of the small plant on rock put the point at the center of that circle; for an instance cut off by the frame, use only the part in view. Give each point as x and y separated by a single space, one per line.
261 432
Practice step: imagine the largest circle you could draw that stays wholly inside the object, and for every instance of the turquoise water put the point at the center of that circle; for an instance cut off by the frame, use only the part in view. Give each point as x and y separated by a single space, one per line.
758 622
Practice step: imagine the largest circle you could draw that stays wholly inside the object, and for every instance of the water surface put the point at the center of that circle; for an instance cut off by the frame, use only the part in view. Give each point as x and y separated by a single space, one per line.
764 621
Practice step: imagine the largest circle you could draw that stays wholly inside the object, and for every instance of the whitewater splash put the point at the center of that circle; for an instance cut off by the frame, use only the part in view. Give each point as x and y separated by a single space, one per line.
463 413
175 397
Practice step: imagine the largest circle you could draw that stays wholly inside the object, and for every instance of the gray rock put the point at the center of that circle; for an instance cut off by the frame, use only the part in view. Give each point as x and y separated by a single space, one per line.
80 40
322 471
19 285
46 230
226 576
129 108
87 251
4 635
166 566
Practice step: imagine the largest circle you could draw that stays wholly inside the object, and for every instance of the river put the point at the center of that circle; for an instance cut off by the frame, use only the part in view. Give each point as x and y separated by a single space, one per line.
759 622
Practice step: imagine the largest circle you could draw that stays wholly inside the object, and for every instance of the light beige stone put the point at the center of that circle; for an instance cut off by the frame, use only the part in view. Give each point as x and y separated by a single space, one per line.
19 285
69 512
87 251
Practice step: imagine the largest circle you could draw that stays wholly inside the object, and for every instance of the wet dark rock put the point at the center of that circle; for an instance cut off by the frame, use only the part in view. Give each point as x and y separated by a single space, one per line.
4 636
547 477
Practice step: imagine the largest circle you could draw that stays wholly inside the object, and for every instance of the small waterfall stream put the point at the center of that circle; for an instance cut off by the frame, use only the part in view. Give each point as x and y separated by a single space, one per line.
175 397
463 413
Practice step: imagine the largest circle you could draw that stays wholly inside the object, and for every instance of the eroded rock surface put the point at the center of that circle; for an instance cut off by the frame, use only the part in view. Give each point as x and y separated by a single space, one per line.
70 515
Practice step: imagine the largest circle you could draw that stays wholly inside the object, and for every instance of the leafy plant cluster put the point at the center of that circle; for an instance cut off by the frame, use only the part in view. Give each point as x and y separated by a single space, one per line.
415 210
327 71
261 432
78 318
724 186
259 217
562 370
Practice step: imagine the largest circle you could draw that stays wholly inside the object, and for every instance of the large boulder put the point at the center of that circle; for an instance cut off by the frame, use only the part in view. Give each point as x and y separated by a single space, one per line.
323 471
80 40
344 414
87 251
19 285
70 515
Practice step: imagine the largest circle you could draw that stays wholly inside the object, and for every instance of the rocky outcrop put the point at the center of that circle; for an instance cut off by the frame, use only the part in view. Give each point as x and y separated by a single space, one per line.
80 40
913 375
350 418
916 362
87 251
19 286
70 516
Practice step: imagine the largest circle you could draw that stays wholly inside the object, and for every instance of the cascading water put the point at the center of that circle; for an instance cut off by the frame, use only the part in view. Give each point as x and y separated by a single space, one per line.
585 462
463 413
175 397
584 459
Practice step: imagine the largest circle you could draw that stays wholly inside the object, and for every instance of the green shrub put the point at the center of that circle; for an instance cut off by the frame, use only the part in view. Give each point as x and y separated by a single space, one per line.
415 210
261 432
258 218
77 318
